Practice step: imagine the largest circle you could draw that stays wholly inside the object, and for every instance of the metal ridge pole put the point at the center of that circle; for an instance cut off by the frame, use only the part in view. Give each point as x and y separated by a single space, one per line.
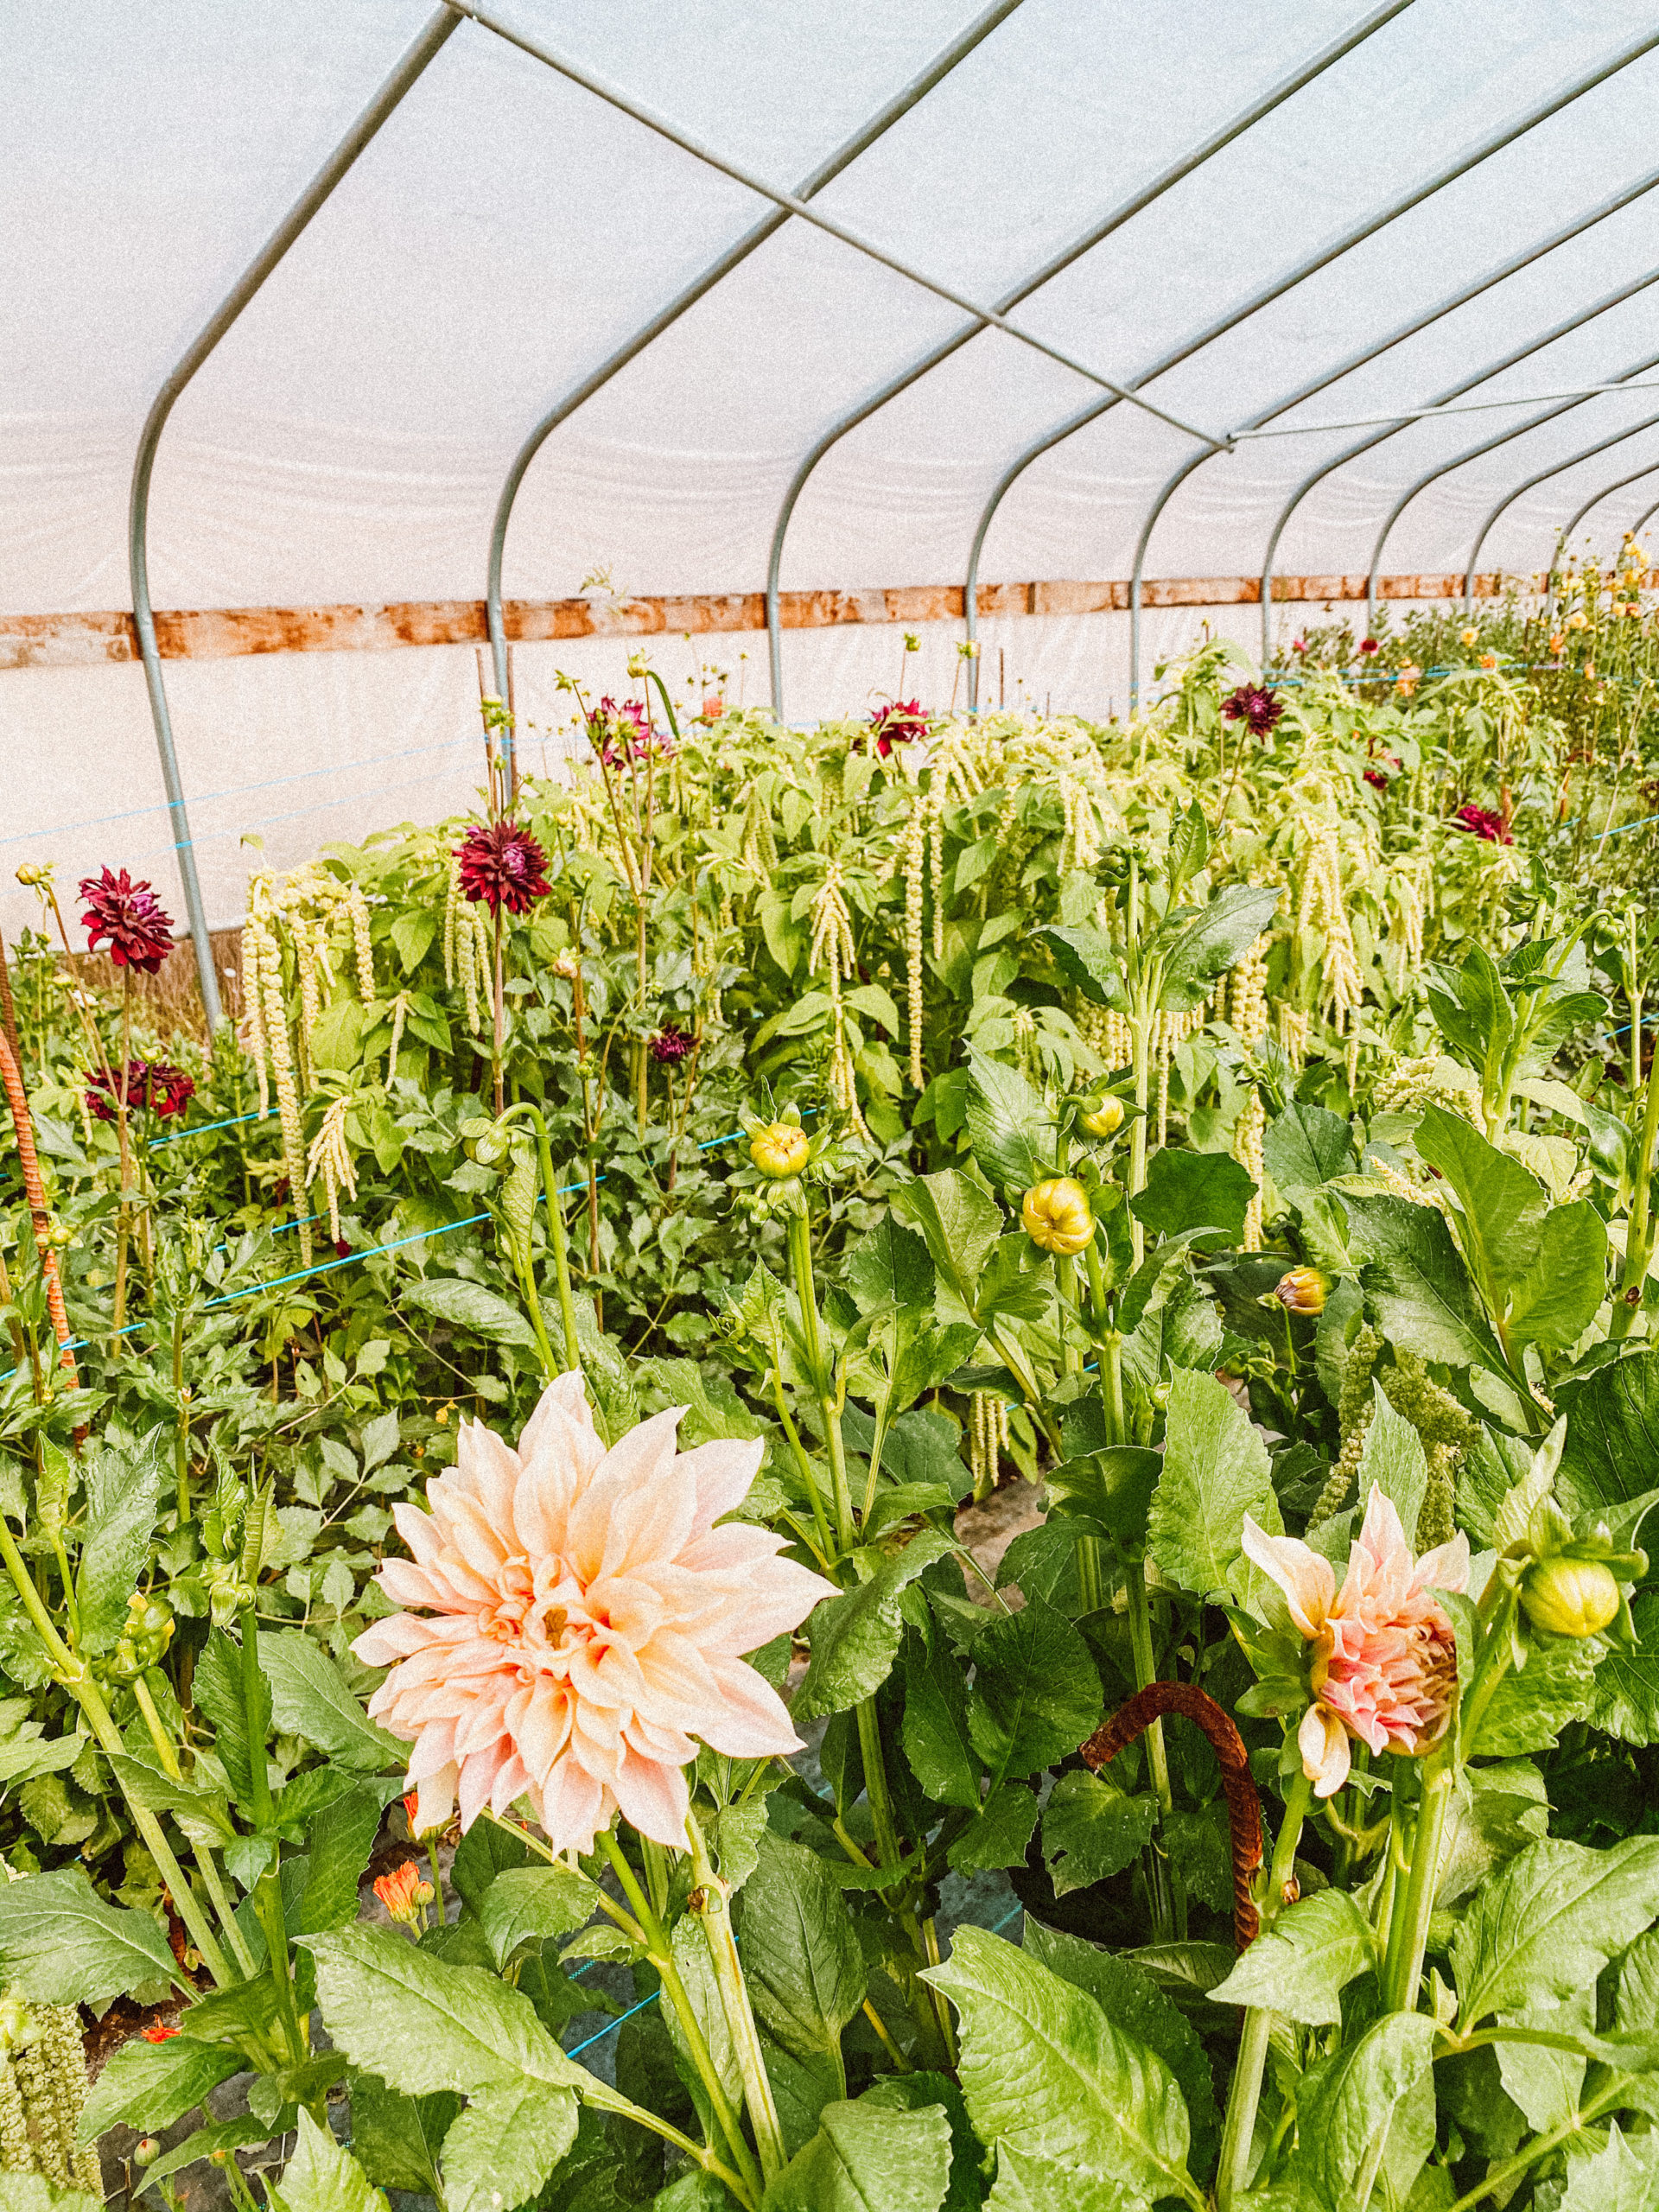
1364 445
862 139
1446 467
1311 267
1543 475
794 205
1095 235
438 28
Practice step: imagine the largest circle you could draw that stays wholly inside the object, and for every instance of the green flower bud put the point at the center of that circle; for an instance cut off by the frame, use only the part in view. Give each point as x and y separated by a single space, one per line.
779 1148
1570 1597
1104 1118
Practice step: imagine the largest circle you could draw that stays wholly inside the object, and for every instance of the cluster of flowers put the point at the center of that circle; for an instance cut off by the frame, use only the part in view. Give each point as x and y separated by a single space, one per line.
154 1085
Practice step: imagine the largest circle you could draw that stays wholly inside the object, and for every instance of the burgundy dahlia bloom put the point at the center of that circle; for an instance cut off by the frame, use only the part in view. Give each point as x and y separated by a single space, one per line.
1480 821
670 1043
1368 644
130 915
502 865
155 1084
898 724
1376 780
1254 705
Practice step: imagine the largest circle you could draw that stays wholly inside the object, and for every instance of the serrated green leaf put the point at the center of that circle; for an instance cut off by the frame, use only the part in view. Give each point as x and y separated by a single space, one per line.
1036 1694
1088 961
801 1956
868 2157
1378 2086
310 1698
960 1223
1503 1206
340 1838
1418 1285
1392 1458
1622 2176
1547 1924
504 2147
62 1945
1194 954
1625 1691
322 2175
1045 2072
1007 1125
854 1638
122 1494
890 1267
936 1739
466 1304
1554 1302
395 2138
148 2086
1092 1830
999 1835
1306 1146
1612 1436
1302 1964
1529 1710
533 1903
1026 2182
1216 1469
1190 1191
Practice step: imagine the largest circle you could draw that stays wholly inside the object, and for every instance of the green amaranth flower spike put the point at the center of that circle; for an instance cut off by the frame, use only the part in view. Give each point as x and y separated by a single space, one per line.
42 2089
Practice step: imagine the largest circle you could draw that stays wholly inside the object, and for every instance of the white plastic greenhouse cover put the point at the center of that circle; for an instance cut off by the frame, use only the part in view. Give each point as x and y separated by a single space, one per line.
508 228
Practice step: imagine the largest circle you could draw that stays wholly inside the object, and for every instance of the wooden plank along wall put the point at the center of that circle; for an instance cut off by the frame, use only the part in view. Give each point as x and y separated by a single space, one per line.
229 632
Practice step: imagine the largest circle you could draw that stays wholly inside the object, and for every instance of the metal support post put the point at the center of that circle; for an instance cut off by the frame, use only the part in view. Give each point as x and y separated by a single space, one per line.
438 28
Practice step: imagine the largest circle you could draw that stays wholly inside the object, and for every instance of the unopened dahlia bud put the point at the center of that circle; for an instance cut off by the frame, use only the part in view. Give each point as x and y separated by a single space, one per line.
1570 1597
779 1148
1304 1290
1058 1216
1105 1119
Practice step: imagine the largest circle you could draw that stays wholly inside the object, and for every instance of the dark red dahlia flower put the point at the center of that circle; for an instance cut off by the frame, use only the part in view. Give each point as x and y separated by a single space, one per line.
1368 644
130 915
898 724
670 1043
1254 705
156 1085
1479 822
502 865
1376 780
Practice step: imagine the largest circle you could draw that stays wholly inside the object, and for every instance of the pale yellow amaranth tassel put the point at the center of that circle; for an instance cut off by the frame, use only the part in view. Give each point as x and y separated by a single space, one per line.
357 907
1247 1150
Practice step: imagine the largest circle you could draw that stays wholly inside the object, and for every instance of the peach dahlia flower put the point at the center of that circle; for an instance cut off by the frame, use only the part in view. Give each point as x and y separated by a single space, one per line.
1383 1664
584 1622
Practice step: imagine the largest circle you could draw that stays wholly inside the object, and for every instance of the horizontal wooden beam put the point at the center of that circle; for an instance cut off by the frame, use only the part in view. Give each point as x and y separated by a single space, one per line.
231 632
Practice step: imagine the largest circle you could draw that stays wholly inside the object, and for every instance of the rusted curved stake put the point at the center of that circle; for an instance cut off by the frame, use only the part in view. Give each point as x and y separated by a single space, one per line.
17 1099
1243 1805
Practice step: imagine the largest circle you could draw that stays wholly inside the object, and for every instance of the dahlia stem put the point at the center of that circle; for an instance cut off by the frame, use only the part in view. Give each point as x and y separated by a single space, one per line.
806 1290
711 1903
253 1709
556 1238
1233 2173
660 1951
1160 1877
496 1034
888 1850
123 1220
1411 1913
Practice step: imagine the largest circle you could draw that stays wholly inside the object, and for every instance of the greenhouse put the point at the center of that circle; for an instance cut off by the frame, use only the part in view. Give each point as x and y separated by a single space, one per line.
827 1196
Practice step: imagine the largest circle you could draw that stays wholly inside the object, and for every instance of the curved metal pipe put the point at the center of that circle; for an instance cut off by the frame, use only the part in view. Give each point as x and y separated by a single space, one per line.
1535 345
1095 235
1606 492
1543 475
1446 467
438 28
1300 274
861 140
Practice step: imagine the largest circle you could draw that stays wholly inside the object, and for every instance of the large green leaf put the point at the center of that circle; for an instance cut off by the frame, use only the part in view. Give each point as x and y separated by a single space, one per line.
1306 1146
1624 1693
868 2157
504 2147
1554 1302
855 1638
1092 1830
1621 2175
322 2175
62 1945
1301 1966
1216 1469
218 1691
1612 1436
890 1267
148 2086
1132 1999
1529 1710
960 1221
310 1698
1418 1286
937 1744
1036 1694
468 1305
1392 1458
917 2093
340 1838
1045 2072
1001 1835
122 1490
525 1904
1194 954
1503 1206
1089 960
1007 1125
1380 2085
1547 1924
1188 1191
396 2139
801 1956
1027 2183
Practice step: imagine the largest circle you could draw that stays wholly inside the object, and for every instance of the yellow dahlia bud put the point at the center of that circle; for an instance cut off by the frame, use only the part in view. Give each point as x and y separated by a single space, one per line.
1570 1597
779 1148
31 874
1057 1214
1104 1119
1302 1291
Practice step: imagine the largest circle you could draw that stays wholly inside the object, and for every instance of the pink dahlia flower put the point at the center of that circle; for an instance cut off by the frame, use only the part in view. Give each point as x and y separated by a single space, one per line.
585 1622
1383 1664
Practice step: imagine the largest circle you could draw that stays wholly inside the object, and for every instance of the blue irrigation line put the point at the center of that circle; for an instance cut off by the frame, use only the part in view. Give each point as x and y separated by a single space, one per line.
201 1129
576 2050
